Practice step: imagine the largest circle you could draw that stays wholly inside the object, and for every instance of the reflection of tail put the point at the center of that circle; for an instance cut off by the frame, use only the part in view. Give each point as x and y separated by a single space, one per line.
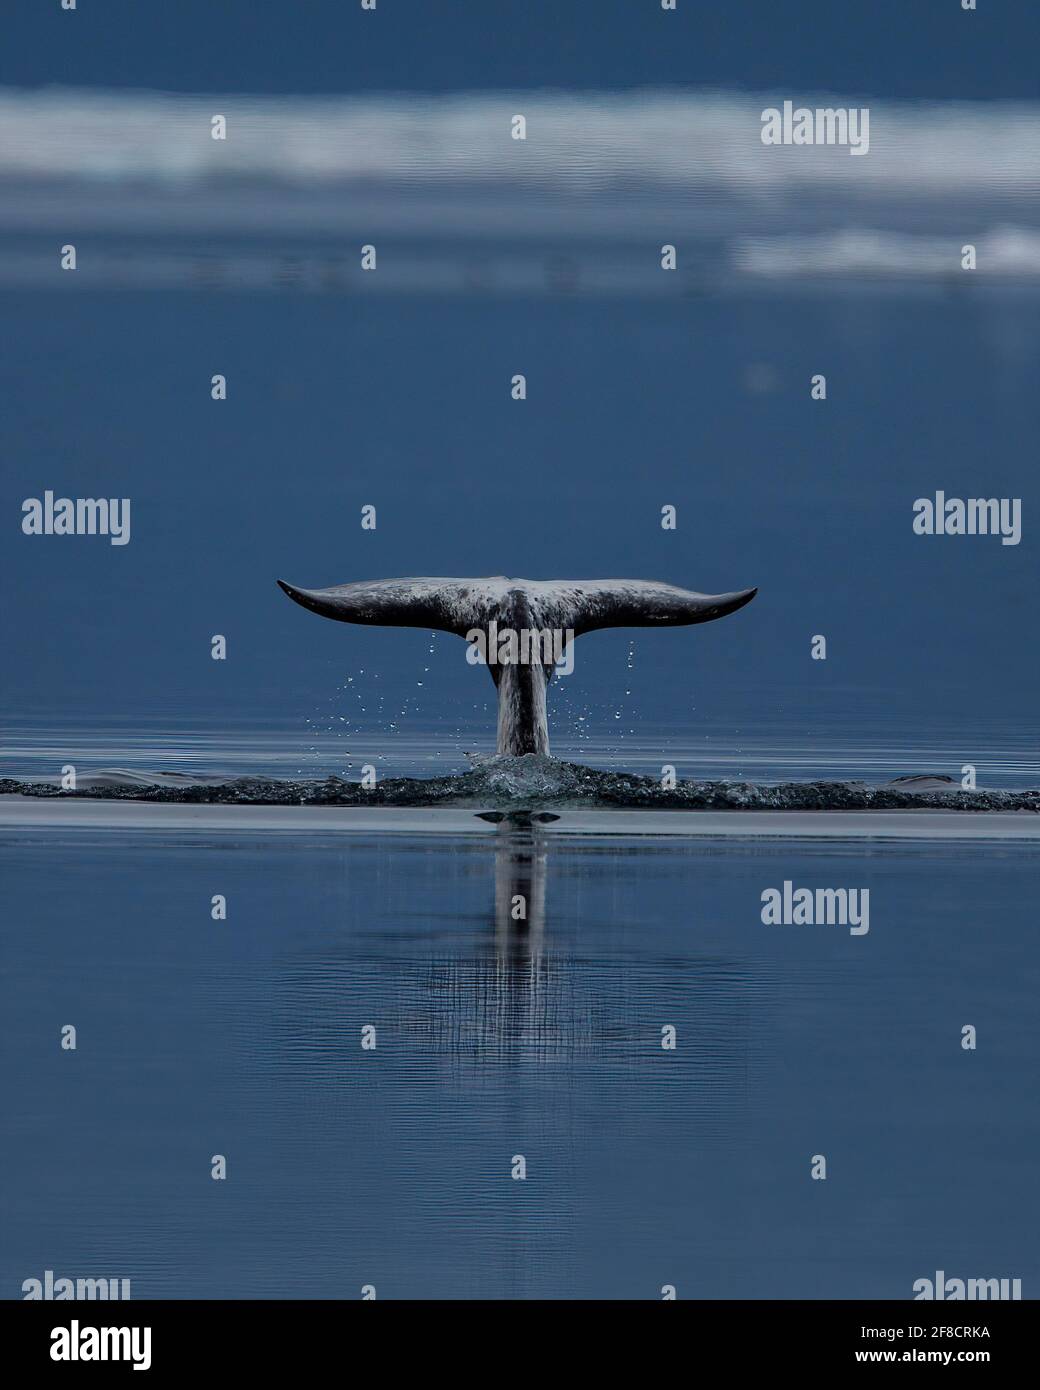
519 882
561 606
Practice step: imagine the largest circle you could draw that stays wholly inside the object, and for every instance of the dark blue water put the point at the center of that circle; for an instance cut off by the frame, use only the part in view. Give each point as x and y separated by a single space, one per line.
448 45
392 1167
404 403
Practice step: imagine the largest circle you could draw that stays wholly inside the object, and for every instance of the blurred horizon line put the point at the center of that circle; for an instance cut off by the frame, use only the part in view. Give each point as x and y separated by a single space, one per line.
599 176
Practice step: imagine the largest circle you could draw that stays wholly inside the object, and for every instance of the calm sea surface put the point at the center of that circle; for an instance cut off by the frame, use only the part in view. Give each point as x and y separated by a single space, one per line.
497 1041
392 1166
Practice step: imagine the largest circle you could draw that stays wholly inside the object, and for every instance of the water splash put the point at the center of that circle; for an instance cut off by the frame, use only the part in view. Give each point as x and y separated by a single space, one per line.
533 782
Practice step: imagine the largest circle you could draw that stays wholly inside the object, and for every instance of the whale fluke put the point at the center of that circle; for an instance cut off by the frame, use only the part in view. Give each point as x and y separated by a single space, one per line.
447 605
501 605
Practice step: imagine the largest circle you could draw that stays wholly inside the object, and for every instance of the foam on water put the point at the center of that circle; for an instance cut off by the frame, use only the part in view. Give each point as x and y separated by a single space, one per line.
532 782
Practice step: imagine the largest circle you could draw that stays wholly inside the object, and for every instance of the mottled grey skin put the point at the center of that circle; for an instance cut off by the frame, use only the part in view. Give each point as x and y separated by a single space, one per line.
557 605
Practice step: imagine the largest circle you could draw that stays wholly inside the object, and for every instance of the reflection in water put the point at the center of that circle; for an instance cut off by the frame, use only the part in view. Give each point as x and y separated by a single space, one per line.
515 1039
516 989
520 854
499 1037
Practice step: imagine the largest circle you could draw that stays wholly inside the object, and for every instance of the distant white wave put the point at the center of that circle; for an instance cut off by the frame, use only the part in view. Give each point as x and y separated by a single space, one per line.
1005 251
574 140
583 205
